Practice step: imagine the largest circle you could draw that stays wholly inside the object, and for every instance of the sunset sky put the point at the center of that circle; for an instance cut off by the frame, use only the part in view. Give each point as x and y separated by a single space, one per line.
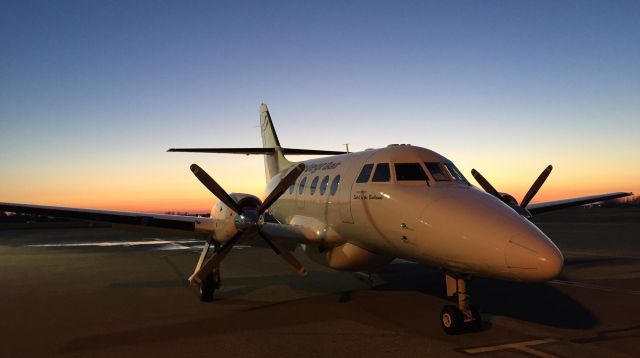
92 93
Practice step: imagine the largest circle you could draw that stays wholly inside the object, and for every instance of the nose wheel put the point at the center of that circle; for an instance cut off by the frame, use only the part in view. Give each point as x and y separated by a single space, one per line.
463 317
451 319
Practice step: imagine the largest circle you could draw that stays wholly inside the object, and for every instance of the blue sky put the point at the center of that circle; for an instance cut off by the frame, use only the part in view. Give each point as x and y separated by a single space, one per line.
93 92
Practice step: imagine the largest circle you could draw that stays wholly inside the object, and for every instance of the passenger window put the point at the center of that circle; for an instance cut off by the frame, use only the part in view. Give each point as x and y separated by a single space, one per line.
436 171
291 188
365 173
314 185
382 173
323 185
334 185
409 171
302 183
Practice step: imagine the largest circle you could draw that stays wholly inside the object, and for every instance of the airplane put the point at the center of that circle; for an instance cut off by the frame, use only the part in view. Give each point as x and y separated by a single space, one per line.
358 211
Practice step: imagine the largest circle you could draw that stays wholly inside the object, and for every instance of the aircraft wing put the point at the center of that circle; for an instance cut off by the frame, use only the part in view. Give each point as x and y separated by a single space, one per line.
175 225
249 151
543 207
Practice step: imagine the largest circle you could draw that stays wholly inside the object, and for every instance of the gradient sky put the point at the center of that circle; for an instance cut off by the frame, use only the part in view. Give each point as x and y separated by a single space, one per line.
92 93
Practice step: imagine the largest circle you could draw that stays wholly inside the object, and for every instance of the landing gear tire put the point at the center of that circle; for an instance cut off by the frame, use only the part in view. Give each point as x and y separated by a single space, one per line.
463 317
452 320
207 288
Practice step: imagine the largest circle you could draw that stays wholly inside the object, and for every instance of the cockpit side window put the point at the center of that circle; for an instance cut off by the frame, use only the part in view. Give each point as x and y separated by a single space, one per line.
455 173
437 172
365 173
409 171
382 173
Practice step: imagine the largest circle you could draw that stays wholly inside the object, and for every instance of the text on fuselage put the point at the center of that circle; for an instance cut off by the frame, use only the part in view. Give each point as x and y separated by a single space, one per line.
364 195
312 168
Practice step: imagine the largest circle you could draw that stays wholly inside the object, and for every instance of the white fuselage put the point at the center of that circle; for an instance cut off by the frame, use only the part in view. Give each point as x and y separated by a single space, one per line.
440 220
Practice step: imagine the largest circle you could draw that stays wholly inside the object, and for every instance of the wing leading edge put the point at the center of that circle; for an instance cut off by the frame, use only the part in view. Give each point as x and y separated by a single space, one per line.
178 225
543 207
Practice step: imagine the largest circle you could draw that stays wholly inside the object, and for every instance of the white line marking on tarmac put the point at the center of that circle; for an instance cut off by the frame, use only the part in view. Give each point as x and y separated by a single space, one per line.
117 243
520 346
595 287
158 244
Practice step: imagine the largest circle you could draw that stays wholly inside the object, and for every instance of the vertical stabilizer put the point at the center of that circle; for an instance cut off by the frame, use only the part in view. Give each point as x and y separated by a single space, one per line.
276 162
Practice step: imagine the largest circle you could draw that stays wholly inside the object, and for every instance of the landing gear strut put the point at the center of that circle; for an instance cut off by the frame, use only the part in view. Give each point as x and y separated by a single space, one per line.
212 282
463 317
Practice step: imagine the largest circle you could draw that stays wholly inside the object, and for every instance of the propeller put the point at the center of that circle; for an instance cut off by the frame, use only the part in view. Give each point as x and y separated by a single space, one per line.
247 219
522 207
286 255
284 184
484 183
215 188
213 261
536 186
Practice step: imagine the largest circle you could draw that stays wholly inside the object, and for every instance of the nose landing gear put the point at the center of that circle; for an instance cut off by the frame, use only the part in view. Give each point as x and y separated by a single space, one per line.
463 317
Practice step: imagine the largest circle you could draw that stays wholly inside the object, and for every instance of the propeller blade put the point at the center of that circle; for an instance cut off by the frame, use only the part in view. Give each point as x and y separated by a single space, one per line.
536 186
284 184
484 183
285 255
213 261
214 188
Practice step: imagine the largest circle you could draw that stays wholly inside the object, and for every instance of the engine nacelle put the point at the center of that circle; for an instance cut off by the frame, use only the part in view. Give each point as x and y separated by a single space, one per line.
513 203
224 226
508 199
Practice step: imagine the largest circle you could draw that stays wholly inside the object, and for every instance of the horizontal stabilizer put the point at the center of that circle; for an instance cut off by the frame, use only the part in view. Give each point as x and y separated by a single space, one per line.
247 151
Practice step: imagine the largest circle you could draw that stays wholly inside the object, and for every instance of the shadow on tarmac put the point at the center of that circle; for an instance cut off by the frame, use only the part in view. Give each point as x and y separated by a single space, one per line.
533 302
390 305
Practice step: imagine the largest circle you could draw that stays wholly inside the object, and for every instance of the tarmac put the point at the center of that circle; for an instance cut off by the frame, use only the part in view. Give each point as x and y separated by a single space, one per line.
110 293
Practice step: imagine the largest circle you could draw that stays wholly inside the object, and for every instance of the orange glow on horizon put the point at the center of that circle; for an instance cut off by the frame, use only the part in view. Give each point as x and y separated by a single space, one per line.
196 205
165 186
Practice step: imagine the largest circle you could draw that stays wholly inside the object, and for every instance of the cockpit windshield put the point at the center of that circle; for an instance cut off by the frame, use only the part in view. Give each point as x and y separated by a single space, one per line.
409 171
454 172
445 172
437 171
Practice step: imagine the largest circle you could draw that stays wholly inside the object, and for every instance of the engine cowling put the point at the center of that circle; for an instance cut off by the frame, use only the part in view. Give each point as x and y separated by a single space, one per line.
509 199
224 217
513 203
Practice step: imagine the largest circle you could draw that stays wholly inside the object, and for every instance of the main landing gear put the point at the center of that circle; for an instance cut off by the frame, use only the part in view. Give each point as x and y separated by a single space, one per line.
463 317
209 285
211 282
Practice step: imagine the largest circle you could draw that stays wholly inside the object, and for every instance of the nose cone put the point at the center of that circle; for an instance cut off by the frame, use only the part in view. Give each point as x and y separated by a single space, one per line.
470 231
531 256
